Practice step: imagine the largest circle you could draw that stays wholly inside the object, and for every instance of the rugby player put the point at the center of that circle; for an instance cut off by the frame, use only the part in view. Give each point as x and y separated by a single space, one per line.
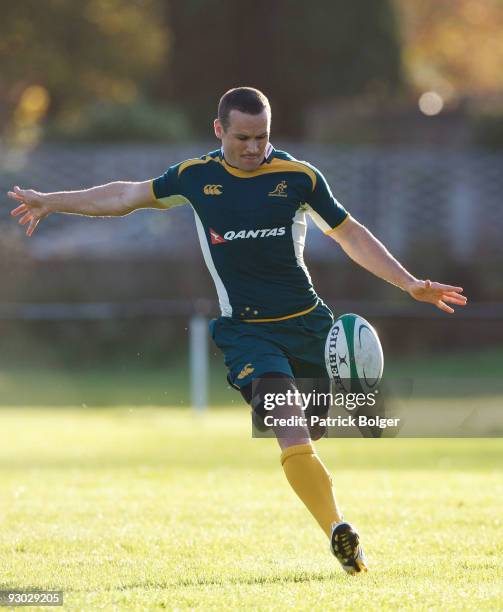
250 203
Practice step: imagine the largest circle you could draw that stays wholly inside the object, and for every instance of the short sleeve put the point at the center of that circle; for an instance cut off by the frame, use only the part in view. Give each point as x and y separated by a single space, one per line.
168 189
324 209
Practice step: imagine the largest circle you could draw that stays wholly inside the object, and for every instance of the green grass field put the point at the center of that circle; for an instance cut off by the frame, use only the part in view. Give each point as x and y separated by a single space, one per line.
112 383
148 508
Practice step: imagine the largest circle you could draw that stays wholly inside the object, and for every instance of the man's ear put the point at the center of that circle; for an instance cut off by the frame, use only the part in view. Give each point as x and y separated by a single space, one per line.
218 129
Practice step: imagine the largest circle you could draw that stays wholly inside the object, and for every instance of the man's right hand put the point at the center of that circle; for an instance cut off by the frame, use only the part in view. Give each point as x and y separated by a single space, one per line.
31 206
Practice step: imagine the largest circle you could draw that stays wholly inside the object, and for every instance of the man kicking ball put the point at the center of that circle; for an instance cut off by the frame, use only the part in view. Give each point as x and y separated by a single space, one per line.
250 203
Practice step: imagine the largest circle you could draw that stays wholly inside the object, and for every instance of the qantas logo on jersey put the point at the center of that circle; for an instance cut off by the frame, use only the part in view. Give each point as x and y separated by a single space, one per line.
267 232
215 237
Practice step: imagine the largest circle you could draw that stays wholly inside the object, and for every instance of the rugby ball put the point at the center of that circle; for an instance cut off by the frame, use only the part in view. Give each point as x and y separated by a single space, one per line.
353 355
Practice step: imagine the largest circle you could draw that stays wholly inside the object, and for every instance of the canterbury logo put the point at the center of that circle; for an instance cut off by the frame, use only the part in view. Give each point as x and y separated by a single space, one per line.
213 190
280 190
245 371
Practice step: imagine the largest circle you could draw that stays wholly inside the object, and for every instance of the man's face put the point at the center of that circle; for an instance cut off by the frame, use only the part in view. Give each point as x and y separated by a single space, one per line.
245 139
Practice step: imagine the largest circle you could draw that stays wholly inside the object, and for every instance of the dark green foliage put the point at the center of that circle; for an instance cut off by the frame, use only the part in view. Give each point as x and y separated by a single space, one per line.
80 52
488 130
299 53
108 122
188 53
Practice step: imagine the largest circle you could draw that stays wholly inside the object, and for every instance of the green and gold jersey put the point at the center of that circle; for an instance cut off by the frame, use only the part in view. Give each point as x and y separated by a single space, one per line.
252 228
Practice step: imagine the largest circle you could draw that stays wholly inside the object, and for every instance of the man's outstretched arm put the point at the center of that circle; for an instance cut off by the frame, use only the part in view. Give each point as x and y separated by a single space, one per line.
111 200
367 251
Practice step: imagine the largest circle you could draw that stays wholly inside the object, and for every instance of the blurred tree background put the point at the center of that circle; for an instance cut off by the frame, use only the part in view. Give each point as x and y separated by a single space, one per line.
118 70
295 51
71 64
454 46
114 68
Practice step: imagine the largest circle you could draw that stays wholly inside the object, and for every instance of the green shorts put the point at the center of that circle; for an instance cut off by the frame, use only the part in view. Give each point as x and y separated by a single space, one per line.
295 346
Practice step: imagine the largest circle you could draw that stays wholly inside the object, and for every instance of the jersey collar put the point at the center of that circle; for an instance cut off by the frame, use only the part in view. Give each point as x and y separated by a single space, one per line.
268 154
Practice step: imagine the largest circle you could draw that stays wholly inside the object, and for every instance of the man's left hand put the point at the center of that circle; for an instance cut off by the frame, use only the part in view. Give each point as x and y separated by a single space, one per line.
437 294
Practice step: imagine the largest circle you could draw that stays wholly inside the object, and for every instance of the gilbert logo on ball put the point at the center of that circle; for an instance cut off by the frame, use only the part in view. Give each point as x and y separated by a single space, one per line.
353 355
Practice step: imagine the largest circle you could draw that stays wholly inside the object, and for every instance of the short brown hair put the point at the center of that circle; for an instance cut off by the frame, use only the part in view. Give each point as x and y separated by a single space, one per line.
244 99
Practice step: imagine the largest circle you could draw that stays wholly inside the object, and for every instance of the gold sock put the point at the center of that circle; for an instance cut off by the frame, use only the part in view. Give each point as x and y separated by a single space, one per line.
310 479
